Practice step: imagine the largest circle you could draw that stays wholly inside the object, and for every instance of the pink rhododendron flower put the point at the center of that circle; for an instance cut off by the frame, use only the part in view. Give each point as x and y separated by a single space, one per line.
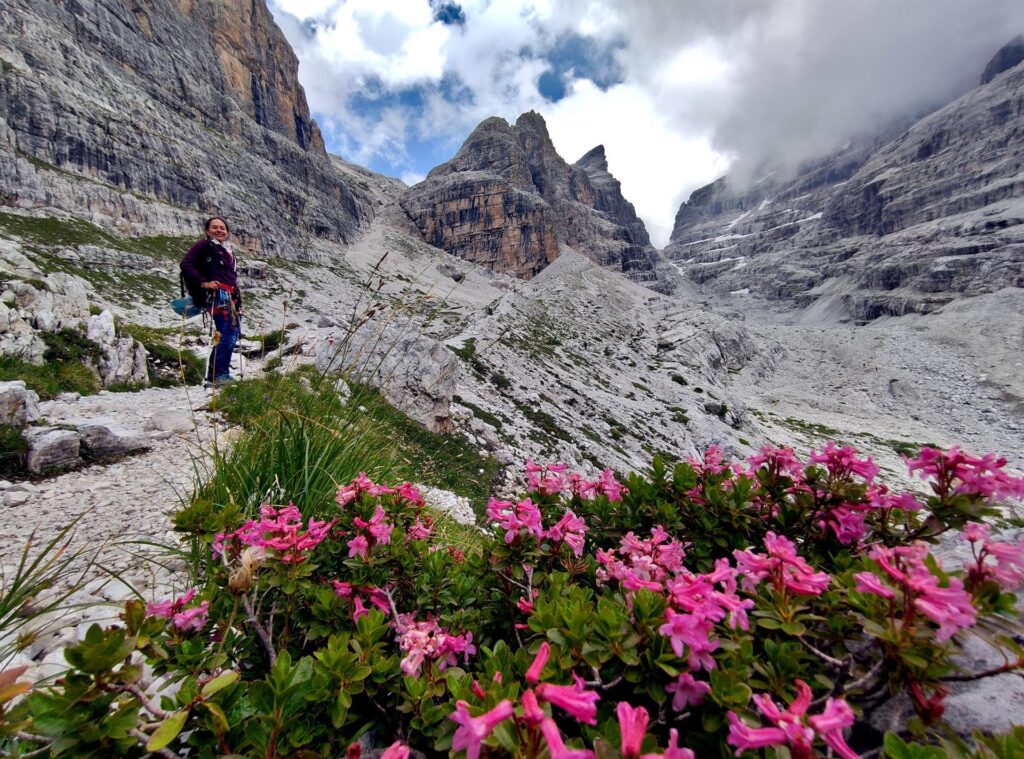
688 691
346 494
692 633
830 725
570 529
472 731
843 464
778 462
192 619
396 751
358 546
868 582
182 618
168 609
632 726
515 519
556 747
379 598
343 589
959 473
783 567
533 673
420 530
711 596
279 529
574 699
976 531
533 715
525 606
424 641
847 524
746 738
1008 571
548 480
359 609
880 497
609 487
792 727
949 607
640 563
673 751
410 493
712 463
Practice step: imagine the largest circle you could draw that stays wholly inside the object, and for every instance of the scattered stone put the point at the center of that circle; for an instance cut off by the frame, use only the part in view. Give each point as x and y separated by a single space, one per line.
51 449
14 498
19 406
455 506
100 441
714 407
169 421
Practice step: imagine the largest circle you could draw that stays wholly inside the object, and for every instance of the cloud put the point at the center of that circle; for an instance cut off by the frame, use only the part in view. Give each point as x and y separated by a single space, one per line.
637 137
676 90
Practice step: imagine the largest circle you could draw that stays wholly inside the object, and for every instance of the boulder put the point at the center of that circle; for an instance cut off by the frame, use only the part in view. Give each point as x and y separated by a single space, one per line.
51 449
19 406
416 374
170 421
123 359
100 441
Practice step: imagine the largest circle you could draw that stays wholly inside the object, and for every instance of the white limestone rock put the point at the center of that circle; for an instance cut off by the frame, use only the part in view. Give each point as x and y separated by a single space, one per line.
51 449
19 406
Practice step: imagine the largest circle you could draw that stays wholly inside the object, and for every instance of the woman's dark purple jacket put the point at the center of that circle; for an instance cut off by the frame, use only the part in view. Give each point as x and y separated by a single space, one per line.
206 261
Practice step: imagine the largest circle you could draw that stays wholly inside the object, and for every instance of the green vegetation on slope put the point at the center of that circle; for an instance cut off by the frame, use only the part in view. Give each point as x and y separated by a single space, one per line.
302 439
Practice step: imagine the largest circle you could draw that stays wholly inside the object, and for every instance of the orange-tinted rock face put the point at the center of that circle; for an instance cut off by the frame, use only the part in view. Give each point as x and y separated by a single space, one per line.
486 220
507 199
260 69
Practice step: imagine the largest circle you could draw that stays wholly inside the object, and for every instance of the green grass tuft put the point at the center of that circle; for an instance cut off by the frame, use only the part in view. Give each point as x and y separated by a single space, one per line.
302 440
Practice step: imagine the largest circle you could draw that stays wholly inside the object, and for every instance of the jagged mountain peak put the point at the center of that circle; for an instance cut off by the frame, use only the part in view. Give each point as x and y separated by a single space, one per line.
594 158
1007 57
507 199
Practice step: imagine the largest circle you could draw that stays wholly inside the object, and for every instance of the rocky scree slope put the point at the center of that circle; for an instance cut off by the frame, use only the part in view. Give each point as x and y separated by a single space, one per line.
893 225
144 117
507 200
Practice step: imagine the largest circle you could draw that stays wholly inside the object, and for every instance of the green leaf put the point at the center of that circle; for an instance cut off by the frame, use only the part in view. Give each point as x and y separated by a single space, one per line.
221 681
219 717
168 731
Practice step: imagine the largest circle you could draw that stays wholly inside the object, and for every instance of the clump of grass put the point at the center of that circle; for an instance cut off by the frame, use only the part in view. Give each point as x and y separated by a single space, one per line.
70 345
302 440
482 414
50 380
680 380
12 449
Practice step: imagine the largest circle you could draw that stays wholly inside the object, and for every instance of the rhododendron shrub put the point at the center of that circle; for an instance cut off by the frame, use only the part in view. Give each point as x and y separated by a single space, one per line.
712 609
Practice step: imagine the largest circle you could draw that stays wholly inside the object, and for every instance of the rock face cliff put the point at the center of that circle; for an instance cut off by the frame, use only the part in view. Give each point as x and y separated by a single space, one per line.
147 115
902 223
507 199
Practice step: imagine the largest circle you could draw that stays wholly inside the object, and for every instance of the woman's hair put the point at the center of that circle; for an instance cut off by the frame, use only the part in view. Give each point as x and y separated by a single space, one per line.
212 219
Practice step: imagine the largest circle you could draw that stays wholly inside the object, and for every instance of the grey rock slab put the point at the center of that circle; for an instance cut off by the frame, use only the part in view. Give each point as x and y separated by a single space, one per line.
169 421
99 441
19 406
51 449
